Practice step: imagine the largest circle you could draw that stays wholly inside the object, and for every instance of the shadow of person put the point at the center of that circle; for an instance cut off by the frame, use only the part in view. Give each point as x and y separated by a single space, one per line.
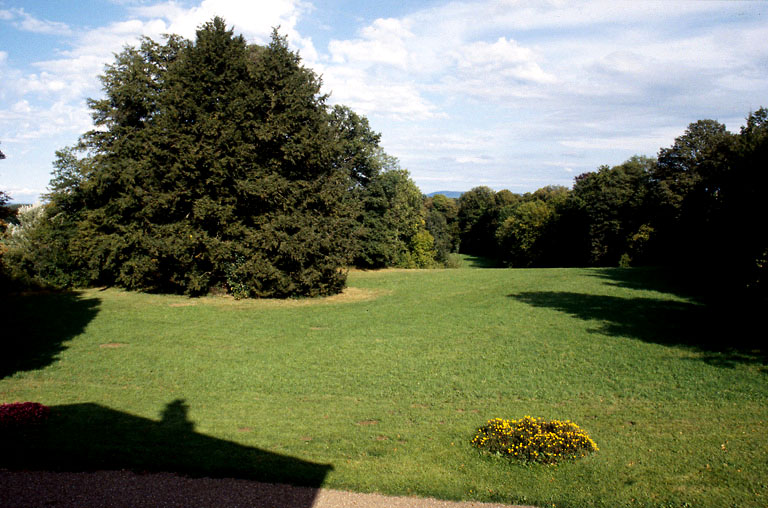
174 417
91 455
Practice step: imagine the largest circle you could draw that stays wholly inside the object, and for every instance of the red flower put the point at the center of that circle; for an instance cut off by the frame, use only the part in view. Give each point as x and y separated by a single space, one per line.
19 414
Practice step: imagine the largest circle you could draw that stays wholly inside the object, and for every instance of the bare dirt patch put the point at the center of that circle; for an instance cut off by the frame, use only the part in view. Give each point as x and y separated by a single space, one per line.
349 295
185 304
112 345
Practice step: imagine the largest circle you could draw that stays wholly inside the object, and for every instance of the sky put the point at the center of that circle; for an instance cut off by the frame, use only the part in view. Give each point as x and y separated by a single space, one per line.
502 93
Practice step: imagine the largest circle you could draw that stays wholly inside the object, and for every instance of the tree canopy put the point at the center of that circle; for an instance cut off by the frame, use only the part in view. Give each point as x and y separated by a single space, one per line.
218 164
695 207
214 163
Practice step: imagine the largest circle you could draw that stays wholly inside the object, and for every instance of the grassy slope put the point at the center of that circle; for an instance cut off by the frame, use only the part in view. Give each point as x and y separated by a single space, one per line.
389 384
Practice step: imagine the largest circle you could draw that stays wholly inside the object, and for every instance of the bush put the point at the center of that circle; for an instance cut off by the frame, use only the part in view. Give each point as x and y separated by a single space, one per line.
453 260
36 249
533 440
21 414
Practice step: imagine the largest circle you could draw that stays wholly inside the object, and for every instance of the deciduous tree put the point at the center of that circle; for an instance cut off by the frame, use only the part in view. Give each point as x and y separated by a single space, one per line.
613 202
394 229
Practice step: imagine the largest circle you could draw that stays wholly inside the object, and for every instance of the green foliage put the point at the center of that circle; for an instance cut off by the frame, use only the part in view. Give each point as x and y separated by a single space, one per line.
437 226
677 172
441 222
742 203
693 208
639 246
726 204
216 163
534 439
707 195
360 153
478 220
393 227
5 214
520 235
422 249
613 203
36 250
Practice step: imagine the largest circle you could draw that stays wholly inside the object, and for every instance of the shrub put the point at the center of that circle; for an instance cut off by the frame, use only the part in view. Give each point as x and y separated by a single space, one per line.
21 414
533 440
37 251
453 261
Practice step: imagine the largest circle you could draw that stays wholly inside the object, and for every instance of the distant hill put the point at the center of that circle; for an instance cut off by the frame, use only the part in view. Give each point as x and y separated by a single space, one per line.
446 193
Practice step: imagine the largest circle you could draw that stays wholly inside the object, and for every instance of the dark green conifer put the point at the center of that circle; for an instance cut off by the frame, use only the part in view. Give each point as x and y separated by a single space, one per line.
215 164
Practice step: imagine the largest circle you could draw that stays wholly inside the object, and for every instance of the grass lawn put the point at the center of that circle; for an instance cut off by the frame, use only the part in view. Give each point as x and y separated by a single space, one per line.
381 389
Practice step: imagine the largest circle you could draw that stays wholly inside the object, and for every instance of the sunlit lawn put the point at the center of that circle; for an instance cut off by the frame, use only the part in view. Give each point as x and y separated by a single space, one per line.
386 384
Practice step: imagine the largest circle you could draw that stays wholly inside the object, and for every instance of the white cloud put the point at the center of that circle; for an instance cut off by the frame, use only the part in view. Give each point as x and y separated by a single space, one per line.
21 107
415 142
438 52
20 192
355 88
386 41
254 19
25 122
505 58
473 160
636 144
28 23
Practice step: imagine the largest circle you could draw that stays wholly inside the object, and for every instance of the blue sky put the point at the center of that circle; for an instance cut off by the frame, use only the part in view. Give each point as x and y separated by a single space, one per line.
505 93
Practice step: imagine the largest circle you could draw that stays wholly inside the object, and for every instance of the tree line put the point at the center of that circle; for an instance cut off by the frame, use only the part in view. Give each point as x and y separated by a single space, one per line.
695 207
218 165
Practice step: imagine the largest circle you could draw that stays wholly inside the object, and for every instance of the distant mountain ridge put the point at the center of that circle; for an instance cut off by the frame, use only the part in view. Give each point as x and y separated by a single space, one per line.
446 193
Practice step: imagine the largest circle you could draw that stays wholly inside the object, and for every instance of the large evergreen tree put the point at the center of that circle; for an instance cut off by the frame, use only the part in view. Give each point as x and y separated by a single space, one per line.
214 163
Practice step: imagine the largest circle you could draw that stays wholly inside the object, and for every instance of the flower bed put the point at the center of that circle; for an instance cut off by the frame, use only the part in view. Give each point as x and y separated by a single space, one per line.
21 414
533 439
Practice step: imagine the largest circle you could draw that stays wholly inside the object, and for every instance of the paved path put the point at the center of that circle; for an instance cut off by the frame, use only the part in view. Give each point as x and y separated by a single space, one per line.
126 489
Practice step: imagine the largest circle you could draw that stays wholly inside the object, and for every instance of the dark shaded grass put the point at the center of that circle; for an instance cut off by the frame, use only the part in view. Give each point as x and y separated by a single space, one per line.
36 326
91 437
721 333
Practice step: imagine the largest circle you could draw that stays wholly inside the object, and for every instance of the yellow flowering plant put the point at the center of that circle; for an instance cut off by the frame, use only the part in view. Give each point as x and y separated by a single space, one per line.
532 439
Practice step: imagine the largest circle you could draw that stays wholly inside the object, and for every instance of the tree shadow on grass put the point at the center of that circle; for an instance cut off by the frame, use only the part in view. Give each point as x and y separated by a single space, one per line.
94 438
470 261
37 325
659 321
660 279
